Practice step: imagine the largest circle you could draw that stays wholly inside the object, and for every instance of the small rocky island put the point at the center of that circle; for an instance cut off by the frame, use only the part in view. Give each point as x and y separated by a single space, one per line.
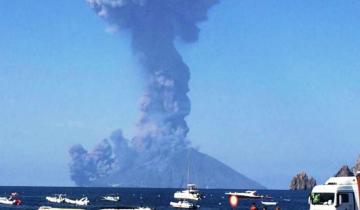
357 165
344 172
302 182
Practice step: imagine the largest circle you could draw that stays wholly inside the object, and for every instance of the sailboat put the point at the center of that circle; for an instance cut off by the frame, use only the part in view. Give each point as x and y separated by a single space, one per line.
191 193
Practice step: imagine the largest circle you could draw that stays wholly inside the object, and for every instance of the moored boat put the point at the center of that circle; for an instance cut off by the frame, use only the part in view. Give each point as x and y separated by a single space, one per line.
247 194
183 205
269 203
56 199
191 193
79 202
111 198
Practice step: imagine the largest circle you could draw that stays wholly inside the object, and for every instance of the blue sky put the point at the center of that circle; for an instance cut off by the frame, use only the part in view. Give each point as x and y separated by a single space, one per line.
274 87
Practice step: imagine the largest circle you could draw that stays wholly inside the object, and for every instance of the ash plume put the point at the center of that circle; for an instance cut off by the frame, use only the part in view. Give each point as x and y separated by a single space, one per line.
154 25
157 152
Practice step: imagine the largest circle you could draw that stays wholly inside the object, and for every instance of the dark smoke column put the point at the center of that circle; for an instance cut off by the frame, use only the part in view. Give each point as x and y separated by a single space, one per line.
154 25
157 155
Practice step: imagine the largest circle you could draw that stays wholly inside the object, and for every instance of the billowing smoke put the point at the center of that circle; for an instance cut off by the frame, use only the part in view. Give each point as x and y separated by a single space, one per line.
161 132
154 25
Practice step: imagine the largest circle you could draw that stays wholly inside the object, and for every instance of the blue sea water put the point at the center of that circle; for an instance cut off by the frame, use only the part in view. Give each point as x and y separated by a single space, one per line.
214 199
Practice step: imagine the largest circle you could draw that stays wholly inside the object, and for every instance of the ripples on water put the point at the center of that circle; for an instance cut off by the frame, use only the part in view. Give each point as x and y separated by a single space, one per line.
33 197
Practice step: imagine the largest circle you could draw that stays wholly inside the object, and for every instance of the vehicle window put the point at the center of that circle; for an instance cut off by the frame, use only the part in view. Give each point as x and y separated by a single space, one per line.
322 198
343 198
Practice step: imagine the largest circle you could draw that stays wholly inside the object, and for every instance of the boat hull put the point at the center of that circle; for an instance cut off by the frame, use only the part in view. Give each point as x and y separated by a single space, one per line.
55 199
81 202
187 196
6 201
183 205
269 203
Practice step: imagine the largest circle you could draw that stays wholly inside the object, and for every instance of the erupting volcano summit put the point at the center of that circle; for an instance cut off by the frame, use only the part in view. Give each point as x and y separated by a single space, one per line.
157 155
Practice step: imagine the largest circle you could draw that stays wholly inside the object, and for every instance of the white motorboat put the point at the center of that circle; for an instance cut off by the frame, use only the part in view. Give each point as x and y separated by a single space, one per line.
111 198
11 200
247 194
7 201
183 205
56 199
269 203
191 193
79 202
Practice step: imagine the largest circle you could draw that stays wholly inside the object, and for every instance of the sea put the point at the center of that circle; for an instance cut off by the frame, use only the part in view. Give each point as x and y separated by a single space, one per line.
213 199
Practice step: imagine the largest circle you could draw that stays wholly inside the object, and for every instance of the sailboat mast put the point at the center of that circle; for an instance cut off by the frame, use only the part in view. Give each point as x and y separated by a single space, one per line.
188 164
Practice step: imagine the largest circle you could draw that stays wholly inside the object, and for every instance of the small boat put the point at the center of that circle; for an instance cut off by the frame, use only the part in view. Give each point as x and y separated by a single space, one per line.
12 200
111 198
269 203
183 205
56 199
191 193
7 201
247 194
79 202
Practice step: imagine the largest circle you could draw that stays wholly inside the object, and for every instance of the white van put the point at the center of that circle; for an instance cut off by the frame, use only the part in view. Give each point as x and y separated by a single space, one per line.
338 193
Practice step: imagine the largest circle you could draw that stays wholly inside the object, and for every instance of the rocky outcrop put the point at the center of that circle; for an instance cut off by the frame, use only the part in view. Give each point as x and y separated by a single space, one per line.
344 172
302 182
356 168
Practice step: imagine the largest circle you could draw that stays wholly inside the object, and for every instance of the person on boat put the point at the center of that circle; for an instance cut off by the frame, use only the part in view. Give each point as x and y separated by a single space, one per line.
13 197
253 207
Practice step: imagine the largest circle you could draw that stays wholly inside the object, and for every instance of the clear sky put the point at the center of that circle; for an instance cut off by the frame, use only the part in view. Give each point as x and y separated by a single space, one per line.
274 88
